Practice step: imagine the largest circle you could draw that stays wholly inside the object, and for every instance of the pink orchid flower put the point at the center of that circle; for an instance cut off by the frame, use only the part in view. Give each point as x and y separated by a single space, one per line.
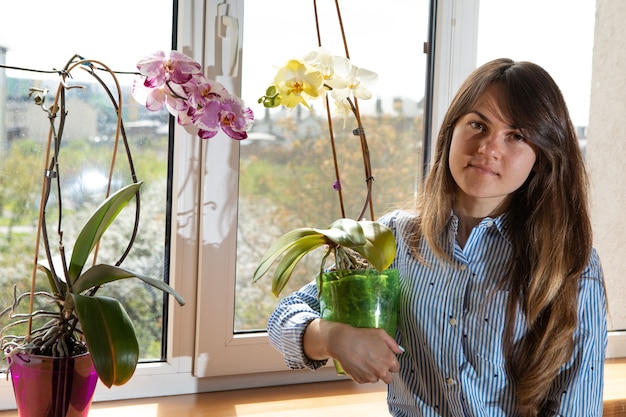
201 105
229 115
200 90
159 68
235 119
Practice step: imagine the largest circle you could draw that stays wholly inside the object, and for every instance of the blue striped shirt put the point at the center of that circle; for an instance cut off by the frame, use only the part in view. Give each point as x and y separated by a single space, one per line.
451 325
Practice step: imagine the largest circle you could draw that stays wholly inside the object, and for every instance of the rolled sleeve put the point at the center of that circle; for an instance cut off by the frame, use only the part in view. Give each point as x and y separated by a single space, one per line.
288 323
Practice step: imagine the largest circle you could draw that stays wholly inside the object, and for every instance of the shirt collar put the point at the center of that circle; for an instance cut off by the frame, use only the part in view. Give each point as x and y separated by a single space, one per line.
501 223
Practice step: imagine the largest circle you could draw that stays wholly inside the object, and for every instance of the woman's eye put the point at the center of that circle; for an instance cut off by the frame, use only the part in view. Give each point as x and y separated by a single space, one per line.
518 137
477 126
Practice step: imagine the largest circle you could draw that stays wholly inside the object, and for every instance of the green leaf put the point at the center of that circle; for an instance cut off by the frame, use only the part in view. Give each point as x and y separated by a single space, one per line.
51 281
293 255
97 225
102 274
278 248
345 232
372 240
110 337
380 249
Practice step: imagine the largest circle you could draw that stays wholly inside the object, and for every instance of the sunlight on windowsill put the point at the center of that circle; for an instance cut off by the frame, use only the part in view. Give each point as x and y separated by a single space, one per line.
308 400
342 397
338 405
311 400
143 410
615 380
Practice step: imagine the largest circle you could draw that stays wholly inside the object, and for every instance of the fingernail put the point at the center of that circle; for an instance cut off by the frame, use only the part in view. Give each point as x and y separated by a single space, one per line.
401 348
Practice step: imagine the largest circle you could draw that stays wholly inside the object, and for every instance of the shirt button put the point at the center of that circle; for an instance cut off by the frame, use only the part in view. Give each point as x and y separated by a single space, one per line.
450 381
489 223
452 321
463 267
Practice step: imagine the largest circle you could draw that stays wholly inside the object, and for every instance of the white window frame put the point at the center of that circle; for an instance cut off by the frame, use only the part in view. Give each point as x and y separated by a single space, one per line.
456 38
204 354
219 351
216 357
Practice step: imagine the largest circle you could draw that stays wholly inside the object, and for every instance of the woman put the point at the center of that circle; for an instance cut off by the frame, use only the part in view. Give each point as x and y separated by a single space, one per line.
502 295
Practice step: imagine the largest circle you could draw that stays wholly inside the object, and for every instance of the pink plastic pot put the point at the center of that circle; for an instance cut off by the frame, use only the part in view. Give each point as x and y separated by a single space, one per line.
53 387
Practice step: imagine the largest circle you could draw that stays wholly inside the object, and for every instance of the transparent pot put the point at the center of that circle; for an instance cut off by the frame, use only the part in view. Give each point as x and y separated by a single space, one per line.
52 387
361 298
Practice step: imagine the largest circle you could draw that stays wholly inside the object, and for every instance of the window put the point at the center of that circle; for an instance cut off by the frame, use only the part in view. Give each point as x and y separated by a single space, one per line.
279 186
43 36
286 178
563 43
216 341
558 51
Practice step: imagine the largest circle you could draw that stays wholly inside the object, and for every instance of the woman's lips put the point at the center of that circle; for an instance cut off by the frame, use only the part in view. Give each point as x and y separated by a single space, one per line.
484 169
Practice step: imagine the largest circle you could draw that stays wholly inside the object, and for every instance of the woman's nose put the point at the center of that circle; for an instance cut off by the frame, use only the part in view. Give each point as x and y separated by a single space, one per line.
491 145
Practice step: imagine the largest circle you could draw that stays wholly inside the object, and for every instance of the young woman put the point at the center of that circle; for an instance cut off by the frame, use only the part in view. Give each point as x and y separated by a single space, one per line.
502 295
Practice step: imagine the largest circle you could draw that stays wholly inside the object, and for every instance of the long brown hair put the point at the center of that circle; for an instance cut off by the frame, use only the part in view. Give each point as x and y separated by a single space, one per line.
551 229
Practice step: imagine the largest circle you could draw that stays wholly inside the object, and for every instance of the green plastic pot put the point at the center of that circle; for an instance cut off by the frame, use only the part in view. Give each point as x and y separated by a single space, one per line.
360 298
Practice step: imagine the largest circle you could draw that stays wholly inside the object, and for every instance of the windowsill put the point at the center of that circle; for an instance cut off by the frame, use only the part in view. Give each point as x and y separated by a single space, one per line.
323 398
614 391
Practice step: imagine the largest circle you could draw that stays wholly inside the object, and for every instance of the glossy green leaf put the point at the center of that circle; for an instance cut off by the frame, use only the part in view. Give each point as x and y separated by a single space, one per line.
278 248
380 249
371 240
102 274
345 232
110 337
97 224
52 282
292 256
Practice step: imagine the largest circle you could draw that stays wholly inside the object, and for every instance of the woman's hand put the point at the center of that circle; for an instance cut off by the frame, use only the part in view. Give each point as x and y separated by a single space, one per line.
366 355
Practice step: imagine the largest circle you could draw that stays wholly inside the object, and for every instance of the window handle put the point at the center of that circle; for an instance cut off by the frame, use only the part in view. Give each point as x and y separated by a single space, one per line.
229 28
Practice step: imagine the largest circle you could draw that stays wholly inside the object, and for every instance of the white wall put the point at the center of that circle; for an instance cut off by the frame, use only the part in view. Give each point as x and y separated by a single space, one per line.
606 151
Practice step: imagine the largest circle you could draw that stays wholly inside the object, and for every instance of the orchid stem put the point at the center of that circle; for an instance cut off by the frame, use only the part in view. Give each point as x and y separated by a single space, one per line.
369 178
335 161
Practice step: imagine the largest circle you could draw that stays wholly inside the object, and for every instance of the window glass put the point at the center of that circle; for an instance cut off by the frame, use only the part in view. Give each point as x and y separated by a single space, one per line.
43 35
560 38
553 34
287 173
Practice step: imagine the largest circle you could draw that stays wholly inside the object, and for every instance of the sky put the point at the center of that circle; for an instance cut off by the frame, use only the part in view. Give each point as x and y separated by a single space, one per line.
41 34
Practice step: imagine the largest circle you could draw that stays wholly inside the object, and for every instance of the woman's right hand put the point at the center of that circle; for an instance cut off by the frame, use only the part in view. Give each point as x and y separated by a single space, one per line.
366 355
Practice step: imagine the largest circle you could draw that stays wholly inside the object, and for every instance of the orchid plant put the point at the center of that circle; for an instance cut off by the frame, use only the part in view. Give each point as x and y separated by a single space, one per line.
75 318
355 244
201 105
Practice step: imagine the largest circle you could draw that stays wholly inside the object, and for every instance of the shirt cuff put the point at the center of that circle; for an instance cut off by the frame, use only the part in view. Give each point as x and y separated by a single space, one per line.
293 342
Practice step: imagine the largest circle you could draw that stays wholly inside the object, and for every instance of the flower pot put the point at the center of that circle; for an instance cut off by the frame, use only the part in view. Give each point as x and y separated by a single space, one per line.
361 298
52 387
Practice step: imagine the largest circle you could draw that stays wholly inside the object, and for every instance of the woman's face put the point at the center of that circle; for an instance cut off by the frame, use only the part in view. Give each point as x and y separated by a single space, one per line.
489 159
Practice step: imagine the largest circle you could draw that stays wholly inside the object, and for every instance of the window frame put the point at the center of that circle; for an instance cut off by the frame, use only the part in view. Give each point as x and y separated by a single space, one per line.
235 354
204 354
196 272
